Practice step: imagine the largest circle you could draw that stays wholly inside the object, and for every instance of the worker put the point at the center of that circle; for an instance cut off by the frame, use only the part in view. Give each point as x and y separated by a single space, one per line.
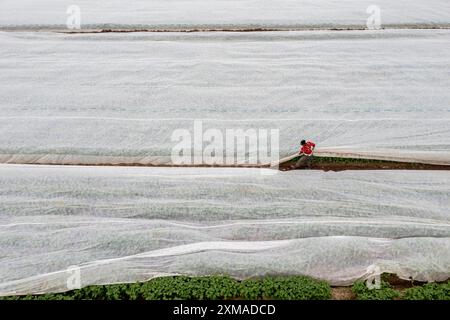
306 155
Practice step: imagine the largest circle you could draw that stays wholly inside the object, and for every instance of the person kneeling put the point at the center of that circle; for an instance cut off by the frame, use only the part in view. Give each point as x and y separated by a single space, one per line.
306 155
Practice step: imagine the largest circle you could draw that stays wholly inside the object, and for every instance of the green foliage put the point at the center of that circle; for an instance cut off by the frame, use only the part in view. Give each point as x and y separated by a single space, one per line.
251 289
286 288
199 288
222 288
385 292
187 288
430 291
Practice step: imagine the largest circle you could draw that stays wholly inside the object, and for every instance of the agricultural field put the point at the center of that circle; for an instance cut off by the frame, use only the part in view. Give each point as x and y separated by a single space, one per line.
379 94
122 224
274 288
95 203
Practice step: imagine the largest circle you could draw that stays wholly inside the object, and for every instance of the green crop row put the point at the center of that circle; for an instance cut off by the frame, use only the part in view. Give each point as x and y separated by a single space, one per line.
199 288
430 291
222 288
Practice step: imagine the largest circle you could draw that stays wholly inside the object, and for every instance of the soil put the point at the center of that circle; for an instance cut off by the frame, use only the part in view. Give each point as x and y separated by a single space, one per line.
345 293
330 164
342 293
245 29
318 163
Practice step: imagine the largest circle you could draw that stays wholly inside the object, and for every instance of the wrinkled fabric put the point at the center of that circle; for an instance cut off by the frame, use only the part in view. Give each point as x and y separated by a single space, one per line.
124 224
201 14
118 98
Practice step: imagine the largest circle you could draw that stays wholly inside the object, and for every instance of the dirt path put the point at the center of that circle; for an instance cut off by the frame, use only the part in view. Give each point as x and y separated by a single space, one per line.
319 163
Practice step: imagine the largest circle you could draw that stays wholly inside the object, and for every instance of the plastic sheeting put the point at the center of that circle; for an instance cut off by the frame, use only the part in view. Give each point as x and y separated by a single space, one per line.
124 224
193 14
117 98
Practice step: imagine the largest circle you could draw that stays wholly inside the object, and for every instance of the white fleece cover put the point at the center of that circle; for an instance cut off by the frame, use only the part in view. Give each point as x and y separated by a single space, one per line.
204 14
124 224
117 98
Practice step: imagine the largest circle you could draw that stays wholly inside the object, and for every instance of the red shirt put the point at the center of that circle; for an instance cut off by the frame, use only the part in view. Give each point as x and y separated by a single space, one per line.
307 148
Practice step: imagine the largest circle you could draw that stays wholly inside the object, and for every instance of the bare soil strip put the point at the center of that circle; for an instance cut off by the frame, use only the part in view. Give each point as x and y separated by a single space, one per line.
341 164
249 29
346 293
319 163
